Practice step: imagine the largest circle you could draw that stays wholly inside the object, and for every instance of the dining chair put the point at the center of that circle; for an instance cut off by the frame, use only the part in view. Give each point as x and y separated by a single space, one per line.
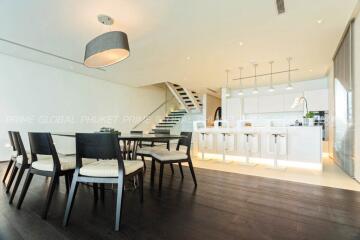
171 157
111 168
13 156
22 162
41 144
146 149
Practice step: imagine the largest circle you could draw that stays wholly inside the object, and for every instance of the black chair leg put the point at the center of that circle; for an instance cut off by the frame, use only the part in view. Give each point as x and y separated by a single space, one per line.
7 170
102 191
53 182
161 176
181 170
143 160
95 188
70 201
141 187
192 172
12 177
25 189
120 188
172 168
152 171
17 182
67 183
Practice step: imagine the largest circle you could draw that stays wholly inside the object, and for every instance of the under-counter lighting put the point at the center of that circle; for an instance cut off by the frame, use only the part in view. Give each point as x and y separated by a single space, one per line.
262 161
240 93
271 89
255 91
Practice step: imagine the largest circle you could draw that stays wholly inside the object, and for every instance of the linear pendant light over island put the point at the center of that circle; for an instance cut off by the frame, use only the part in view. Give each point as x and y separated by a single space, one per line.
108 48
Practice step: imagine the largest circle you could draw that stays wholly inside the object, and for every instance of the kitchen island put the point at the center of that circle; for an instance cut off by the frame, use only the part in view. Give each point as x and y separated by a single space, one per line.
294 146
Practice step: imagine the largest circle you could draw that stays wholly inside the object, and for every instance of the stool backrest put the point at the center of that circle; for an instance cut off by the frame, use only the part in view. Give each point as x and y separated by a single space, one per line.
19 146
42 143
104 146
11 140
186 141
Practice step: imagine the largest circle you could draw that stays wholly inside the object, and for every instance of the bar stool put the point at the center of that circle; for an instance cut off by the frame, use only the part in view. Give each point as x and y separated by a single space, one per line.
278 146
249 138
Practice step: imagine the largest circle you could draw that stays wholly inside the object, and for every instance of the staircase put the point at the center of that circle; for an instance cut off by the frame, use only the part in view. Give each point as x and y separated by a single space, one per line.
169 121
189 99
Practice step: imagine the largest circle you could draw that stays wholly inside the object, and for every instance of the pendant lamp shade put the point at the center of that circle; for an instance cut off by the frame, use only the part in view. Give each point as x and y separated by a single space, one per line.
106 49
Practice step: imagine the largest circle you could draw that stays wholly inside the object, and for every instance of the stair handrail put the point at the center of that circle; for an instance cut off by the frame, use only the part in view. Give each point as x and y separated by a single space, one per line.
152 112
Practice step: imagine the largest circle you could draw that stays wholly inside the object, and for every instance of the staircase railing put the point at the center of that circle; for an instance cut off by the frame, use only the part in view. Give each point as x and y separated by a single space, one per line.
158 108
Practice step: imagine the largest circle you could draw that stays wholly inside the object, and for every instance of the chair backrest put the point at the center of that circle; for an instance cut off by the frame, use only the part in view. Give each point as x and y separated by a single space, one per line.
42 144
11 140
185 141
19 146
104 146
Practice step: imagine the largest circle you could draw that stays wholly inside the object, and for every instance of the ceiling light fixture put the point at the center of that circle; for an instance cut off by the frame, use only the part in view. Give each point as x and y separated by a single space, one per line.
255 91
240 93
271 87
289 86
241 43
319 21
227 94
108 48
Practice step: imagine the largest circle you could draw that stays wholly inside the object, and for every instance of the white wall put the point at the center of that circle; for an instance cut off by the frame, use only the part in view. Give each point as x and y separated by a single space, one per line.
35 97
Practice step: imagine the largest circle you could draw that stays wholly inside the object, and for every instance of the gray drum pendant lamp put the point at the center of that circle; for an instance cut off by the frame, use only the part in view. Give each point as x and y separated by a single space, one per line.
108 48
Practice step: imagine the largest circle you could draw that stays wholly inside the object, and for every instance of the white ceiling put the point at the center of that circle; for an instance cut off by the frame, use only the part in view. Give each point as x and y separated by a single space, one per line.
164 33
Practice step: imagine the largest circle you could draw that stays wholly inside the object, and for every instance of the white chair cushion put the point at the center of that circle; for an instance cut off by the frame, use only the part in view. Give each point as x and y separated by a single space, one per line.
150 150
109 168
19 159
67 163
164 155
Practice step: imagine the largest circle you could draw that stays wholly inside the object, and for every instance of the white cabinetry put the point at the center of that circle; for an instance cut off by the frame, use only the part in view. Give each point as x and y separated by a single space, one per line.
318 100
251 105
270 104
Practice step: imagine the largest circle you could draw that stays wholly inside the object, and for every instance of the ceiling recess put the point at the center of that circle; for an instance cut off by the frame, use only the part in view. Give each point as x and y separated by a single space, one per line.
280 6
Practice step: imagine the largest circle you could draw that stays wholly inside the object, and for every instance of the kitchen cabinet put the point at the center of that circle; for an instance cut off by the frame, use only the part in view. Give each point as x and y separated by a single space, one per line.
270 104
251 105
318 100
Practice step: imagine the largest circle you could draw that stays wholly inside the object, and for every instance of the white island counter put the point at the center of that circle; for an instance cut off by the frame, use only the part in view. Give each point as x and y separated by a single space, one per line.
290 146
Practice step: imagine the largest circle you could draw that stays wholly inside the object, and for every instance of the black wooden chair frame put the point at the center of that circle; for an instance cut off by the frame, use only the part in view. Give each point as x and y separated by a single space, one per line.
12 159
42 143
78 178
186 141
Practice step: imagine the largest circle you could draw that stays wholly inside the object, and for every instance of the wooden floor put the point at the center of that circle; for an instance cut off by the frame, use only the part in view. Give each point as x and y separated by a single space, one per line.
224 206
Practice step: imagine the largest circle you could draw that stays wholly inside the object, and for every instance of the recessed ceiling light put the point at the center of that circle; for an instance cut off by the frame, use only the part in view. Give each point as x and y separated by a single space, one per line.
319 21
188 58
241 43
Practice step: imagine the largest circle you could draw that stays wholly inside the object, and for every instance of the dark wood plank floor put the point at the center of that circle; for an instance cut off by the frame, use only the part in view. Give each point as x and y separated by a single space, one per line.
224 206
